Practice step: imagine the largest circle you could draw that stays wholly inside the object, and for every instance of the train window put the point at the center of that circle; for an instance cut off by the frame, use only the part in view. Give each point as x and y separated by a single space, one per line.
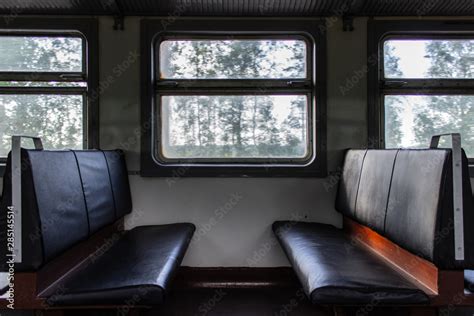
233 101
233 59
46 83
241 125
412 117
425 82
32 101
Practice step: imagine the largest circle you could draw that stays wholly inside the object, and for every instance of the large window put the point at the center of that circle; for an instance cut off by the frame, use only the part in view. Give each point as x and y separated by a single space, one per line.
242 102
45 78
425 80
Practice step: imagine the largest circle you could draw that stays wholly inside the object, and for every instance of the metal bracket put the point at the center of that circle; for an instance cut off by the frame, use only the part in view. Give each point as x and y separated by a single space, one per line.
16 191
347 23
457 191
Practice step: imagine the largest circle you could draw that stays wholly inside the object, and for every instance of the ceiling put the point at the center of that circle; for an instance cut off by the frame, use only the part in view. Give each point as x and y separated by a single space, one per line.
252 8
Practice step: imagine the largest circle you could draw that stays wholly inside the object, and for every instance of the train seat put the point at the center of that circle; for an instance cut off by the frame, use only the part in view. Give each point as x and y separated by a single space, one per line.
404 195
70 196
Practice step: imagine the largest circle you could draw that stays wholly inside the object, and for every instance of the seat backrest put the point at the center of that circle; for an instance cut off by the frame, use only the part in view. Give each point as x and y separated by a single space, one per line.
66 197
406 195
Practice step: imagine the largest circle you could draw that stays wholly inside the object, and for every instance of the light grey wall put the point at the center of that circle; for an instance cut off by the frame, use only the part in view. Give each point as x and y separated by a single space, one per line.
240 233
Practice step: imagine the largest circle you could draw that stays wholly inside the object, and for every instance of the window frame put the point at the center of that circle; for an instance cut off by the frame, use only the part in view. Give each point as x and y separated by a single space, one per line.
155 31
84 28
379 31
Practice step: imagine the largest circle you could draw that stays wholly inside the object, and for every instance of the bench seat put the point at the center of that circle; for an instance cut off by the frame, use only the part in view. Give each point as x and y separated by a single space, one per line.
334 270
402 195
74 246
138 267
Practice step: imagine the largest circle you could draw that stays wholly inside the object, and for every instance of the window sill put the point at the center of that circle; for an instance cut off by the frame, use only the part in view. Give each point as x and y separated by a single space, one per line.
150 169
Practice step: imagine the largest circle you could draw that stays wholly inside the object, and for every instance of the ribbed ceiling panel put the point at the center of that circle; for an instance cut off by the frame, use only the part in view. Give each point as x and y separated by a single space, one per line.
418 8
242 7
52 7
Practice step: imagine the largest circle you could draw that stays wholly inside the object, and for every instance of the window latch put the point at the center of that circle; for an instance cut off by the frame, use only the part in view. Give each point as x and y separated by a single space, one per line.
167 83
394 83
296 83
71 77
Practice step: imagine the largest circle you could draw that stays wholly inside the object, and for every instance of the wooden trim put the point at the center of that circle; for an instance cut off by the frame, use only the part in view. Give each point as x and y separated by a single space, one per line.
25 292
235 278
445 288
417 269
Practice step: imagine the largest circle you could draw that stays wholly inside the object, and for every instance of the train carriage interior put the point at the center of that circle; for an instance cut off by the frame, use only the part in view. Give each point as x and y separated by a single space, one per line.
236 157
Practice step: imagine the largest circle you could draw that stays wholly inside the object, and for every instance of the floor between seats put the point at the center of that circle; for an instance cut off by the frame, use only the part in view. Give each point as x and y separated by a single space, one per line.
248 302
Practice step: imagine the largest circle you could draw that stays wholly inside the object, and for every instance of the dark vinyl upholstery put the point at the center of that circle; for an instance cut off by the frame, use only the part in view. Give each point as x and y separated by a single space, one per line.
140 264
419 216
67 197
347 191
335 270
60 199
404 195
374 184
119 181
97 188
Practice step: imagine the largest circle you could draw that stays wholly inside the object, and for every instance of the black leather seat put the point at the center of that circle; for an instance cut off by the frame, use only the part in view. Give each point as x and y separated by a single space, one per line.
138 266
335 270
67 197
404 195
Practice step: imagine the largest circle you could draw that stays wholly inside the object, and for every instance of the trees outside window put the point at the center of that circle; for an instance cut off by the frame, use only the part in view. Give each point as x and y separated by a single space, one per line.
441 105
202 122
42 90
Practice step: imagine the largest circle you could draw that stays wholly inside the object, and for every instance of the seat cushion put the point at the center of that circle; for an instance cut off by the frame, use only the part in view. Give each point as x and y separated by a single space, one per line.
335 270
137 265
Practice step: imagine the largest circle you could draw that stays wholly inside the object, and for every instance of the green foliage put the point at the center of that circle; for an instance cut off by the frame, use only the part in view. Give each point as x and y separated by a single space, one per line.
393 106
57 119
433 114
234 126
445 114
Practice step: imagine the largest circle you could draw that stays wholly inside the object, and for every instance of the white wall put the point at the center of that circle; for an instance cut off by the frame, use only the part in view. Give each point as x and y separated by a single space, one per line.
245 229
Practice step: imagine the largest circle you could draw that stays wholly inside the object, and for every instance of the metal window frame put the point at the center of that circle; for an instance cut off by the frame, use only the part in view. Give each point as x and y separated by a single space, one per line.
154 31
85 28
380 31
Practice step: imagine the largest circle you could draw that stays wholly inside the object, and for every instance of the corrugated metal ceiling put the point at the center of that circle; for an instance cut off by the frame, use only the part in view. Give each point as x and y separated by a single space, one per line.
241 7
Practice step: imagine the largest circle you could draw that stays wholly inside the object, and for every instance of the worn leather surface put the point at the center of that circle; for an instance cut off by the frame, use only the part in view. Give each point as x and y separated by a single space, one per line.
119 180
415 200
349 182
60 199
66 196
335 270
374 185
138 266
420 208
406 196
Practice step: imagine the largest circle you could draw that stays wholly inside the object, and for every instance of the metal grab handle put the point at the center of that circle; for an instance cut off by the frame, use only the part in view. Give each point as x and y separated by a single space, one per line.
16 191
457 191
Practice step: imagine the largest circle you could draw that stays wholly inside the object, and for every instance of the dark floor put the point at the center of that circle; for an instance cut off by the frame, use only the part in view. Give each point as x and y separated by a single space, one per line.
250 302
